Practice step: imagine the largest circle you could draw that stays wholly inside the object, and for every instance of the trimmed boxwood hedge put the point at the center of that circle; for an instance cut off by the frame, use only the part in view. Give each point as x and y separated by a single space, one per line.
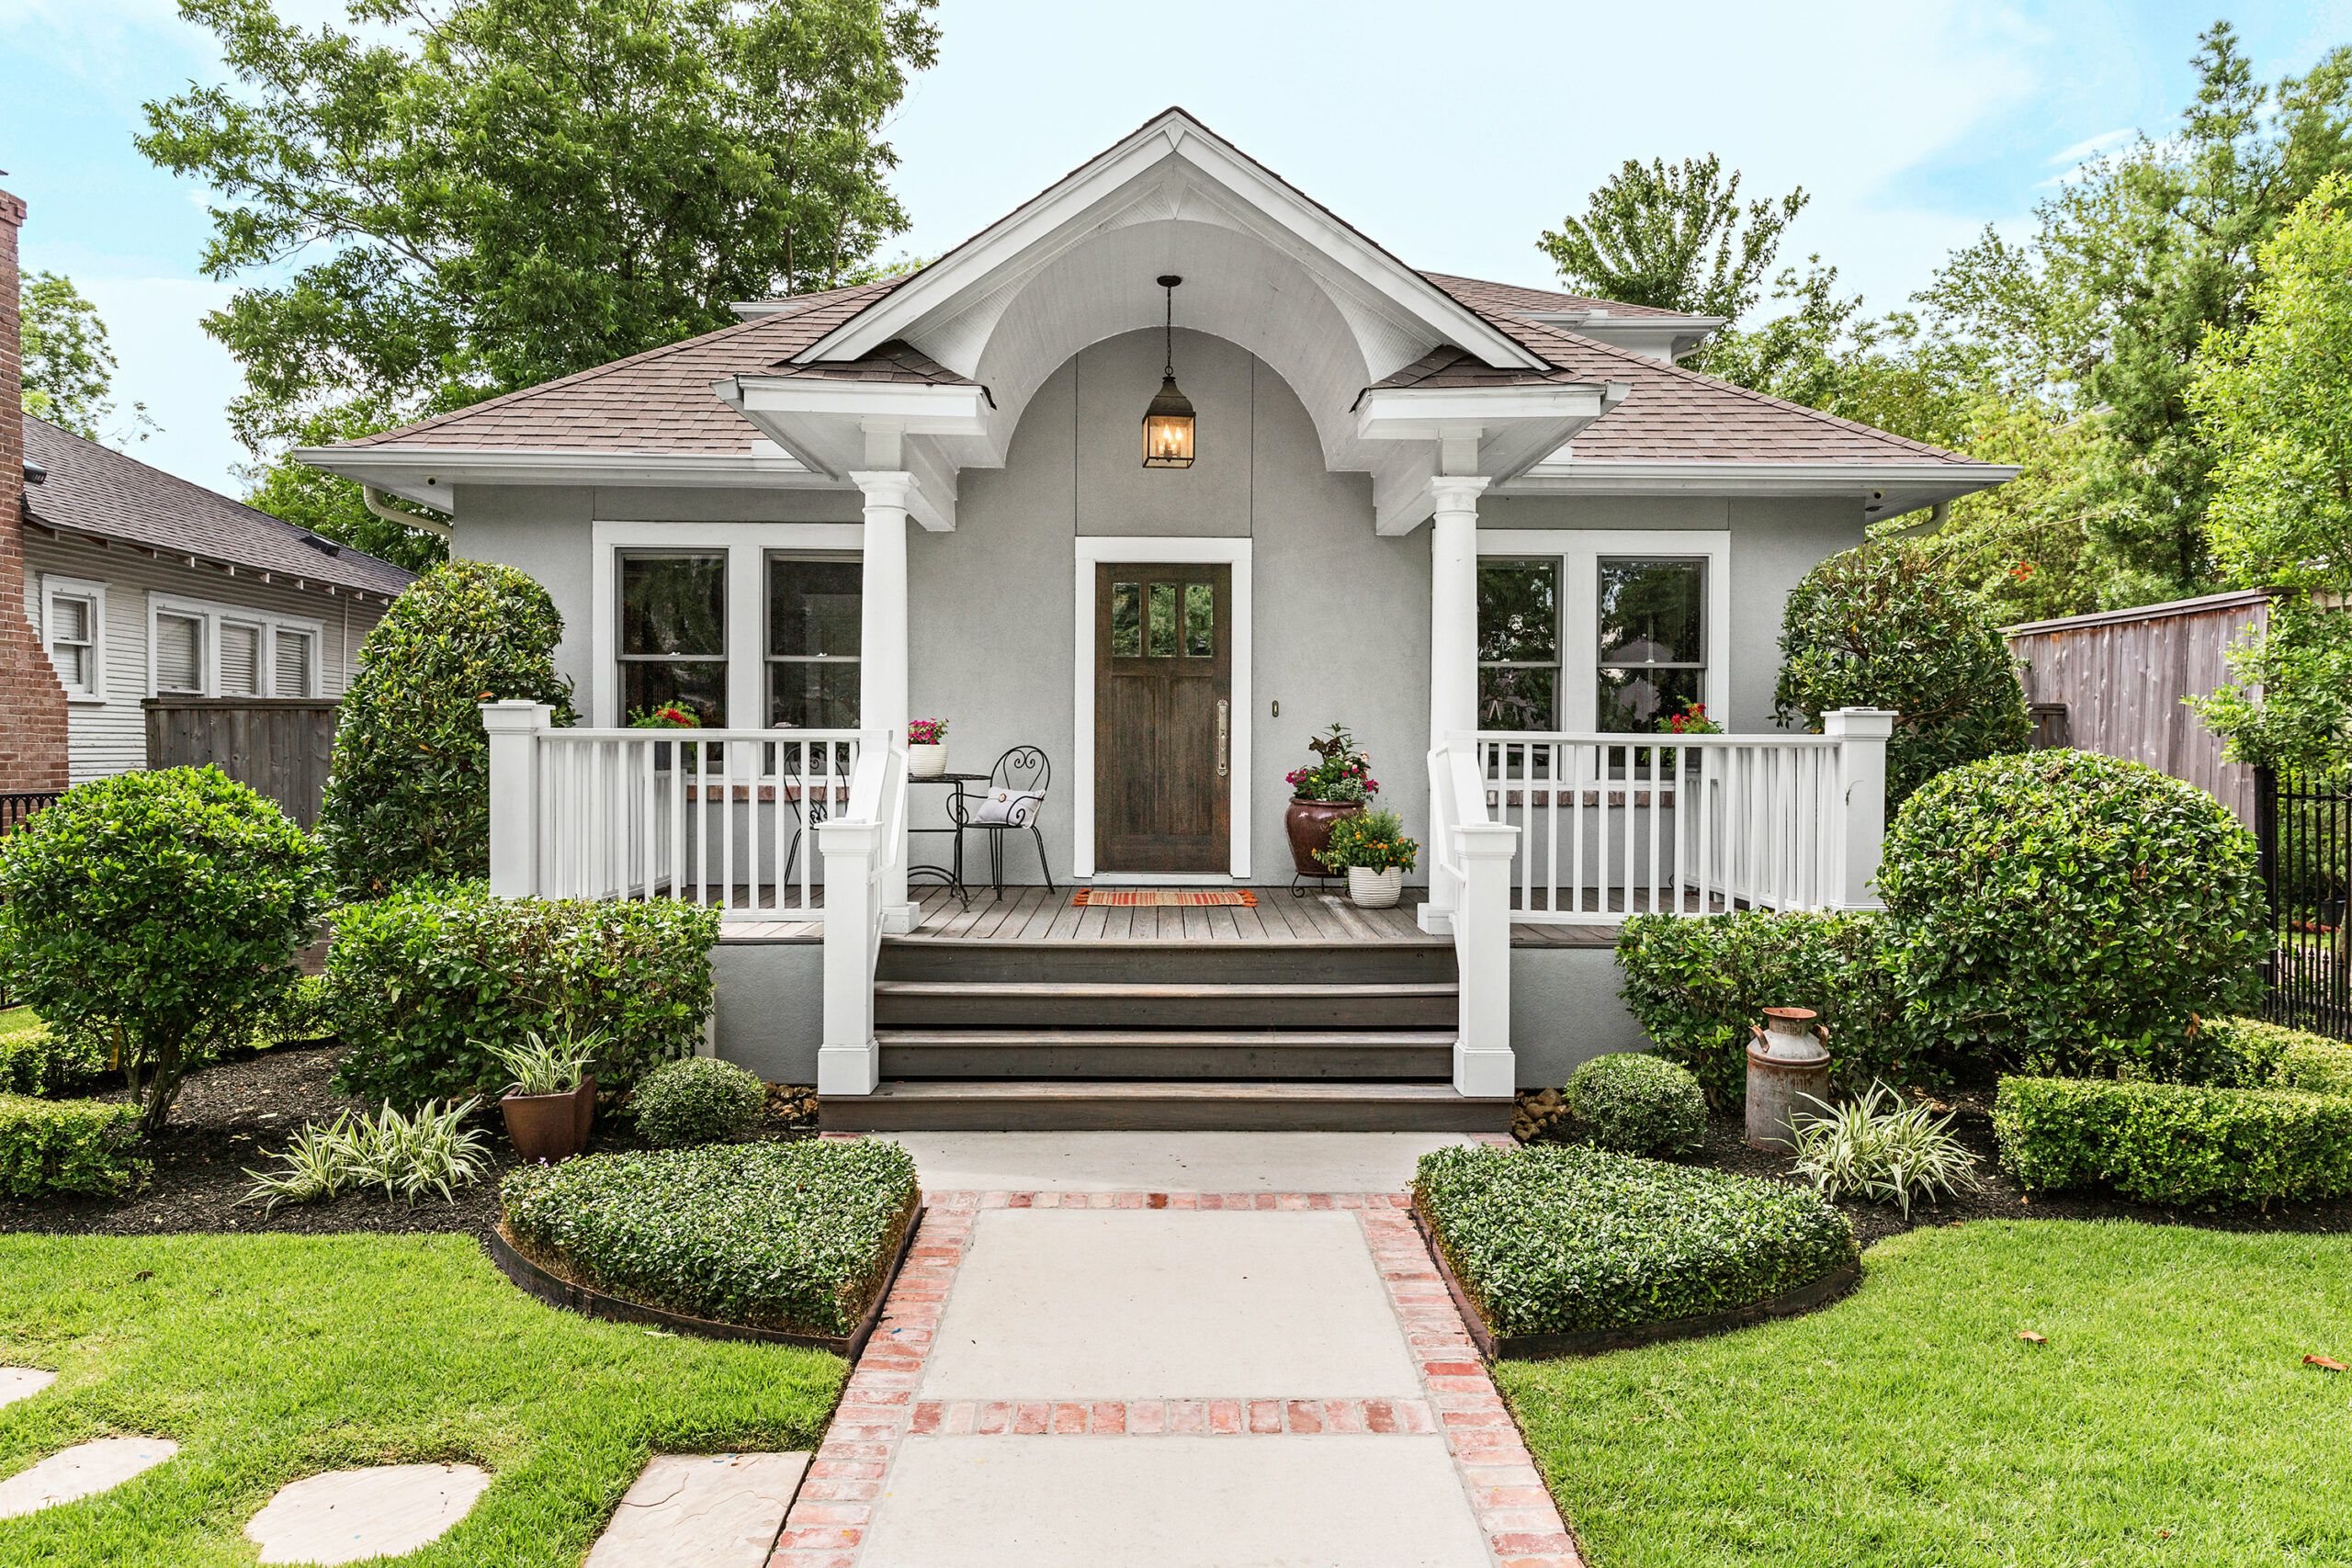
71 1145
1559 1239
2184 1143
2250 1053
1636 1104
35 1060
699 1101
427 983
795 1236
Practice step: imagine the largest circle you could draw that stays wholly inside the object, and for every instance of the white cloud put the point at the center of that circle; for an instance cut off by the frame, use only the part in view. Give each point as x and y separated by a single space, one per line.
155 325
2093 146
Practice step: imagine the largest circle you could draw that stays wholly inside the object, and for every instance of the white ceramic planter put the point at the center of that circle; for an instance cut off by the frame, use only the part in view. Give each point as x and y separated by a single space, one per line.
926 762
1369 889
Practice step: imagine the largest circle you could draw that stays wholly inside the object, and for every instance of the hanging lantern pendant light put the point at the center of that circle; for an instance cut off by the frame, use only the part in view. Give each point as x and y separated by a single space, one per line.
1168 423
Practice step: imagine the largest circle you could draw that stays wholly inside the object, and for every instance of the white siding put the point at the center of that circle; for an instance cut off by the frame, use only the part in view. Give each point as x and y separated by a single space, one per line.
110 736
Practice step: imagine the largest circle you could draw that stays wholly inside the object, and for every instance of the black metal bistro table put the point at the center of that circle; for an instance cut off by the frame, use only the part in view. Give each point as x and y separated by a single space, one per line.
951 876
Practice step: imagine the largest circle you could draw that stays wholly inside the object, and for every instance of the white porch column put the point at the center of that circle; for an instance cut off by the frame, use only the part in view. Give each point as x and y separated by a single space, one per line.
514 728
1862 736
882 630
1453 633
1484 1064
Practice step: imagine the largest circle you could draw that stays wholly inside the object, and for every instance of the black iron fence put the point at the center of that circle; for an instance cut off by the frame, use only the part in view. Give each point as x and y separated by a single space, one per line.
15 805
2304 825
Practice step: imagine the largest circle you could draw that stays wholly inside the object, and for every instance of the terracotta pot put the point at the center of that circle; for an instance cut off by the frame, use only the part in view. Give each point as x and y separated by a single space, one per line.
1370 889
1308 823
551 1126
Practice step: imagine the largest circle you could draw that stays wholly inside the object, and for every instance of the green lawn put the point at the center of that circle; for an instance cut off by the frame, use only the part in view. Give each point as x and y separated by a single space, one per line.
2168 1420
270 1358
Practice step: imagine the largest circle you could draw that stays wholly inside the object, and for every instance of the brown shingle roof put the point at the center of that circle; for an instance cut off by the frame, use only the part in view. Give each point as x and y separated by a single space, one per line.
94 490
1493 300
659 400
1447 365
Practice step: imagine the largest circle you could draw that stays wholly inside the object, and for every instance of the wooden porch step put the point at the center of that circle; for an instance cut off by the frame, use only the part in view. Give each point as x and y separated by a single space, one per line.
1010 1105
1145 963
1116 1004
1111 1054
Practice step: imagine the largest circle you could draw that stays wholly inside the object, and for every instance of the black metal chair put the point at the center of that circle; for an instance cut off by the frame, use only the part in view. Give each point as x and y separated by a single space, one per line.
1025 772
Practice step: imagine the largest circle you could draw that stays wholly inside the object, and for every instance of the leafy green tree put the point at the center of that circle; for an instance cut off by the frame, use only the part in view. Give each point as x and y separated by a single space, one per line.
69 364
2274 398
480 194
1678 239
329 505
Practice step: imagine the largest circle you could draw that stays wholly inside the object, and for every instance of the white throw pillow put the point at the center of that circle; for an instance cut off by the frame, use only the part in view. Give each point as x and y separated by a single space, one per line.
1007 808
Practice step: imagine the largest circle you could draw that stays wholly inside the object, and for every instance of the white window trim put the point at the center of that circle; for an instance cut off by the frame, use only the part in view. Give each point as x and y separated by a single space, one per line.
1579 551
55 588
747 546
213 612
1095 550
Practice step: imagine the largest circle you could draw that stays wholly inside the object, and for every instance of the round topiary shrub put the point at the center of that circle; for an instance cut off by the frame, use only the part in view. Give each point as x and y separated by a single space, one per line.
1885 626
157 913
409 796
1633 1104
700 1099
2061 911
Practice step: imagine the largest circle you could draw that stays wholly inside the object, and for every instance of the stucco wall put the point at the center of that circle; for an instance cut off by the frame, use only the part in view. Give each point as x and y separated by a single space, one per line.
769 1011
1340 613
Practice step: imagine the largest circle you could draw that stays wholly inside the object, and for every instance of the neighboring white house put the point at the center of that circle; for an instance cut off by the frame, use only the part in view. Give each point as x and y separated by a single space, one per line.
141 584
1416 503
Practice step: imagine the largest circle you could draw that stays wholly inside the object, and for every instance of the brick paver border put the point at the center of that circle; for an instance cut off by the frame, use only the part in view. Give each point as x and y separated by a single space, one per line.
878 1409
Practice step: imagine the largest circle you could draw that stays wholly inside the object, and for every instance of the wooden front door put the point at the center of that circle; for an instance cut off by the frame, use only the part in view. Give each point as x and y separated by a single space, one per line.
1163 717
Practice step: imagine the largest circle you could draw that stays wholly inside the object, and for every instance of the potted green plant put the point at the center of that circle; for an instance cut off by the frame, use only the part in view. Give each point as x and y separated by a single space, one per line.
926 748
667 716
1372 849
551 1102
1336 784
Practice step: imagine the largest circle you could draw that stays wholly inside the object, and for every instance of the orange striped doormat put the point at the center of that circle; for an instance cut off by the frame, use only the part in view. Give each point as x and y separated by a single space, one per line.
1166 898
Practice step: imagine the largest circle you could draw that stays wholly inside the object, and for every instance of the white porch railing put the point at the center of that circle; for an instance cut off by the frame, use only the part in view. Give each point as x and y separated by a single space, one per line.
862 845
1591 829
717 817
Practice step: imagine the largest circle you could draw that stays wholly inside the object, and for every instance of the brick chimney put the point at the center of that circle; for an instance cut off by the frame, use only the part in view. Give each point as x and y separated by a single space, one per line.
33 703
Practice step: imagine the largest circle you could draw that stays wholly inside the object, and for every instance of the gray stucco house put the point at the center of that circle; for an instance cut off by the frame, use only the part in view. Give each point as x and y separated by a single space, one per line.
1492 529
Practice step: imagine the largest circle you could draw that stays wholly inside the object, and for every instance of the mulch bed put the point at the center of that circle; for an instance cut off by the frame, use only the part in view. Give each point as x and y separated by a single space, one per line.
1999 1198
234 1116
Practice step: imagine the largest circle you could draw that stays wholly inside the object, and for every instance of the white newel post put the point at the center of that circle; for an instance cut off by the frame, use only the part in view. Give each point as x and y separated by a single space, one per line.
1861 735
1484 1064
1454 637
882 673
848 1059
514 728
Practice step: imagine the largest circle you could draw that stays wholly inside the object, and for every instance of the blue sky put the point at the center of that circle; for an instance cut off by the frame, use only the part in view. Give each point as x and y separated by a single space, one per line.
1455 133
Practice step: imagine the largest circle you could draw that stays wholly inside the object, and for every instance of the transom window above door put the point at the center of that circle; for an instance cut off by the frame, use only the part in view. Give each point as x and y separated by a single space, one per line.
1598 631
1163 620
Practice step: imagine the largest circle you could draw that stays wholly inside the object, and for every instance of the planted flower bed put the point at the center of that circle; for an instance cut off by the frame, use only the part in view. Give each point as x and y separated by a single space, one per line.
1562 1250
794 1241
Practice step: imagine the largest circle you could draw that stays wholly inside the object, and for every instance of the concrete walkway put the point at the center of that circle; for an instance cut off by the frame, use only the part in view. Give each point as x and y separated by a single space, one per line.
1222 1351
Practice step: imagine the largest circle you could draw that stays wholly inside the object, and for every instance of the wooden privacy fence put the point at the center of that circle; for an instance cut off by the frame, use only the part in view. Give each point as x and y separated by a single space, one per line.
280 746
2114 681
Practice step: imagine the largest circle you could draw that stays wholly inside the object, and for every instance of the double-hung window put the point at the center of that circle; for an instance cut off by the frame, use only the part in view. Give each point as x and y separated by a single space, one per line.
1584 630
178 651
672 646
73 627
814 616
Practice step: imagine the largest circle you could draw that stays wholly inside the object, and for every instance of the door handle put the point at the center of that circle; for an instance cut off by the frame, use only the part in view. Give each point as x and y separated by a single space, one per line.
1224 735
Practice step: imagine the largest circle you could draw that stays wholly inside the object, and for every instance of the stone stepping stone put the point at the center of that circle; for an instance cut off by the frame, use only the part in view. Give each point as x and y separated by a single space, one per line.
344 1516
22 1382
702 1511
82 1471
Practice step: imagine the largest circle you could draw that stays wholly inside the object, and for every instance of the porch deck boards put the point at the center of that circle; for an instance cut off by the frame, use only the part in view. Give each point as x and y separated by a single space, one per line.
1039 915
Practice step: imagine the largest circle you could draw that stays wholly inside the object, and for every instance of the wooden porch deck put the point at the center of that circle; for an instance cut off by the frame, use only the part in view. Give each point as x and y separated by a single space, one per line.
1039 915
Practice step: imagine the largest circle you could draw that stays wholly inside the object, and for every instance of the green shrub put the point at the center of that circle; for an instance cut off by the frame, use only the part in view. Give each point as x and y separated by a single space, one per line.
34 1059
73 1146
409 795
699 1101
429 982
1696 984
1879 1149
1555 1239
2066 912
1885 626
1633 1104
2250 1053
159 912
2174 1143
2316 1066
794 1236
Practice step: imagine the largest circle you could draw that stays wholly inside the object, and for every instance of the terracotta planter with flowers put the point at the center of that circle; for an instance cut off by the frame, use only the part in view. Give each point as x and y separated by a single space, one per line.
1337 785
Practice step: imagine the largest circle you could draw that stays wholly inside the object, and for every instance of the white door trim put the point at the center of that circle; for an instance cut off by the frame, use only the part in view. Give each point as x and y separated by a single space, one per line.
1094 550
